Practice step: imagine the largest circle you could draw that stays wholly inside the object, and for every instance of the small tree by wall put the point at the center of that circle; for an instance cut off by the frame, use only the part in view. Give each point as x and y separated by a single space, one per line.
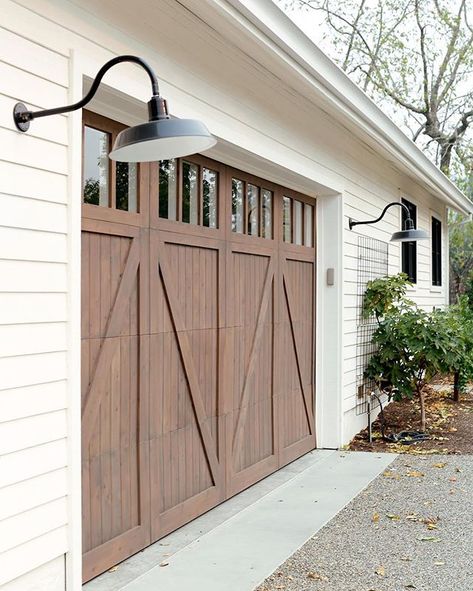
413 345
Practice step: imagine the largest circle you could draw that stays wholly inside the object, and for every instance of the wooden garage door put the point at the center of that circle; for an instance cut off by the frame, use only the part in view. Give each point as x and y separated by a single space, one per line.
197 341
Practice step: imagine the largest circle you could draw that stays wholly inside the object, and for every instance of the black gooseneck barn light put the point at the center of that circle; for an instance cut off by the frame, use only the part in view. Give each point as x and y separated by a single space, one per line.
161 138
407 234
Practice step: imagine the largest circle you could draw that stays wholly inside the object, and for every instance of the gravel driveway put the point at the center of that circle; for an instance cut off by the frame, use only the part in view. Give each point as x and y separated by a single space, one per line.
412 528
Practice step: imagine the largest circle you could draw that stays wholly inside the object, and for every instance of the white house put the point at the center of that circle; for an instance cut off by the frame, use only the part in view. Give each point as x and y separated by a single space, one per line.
211 316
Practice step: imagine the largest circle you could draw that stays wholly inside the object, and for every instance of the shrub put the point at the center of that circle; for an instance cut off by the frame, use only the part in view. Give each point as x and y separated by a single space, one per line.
413 345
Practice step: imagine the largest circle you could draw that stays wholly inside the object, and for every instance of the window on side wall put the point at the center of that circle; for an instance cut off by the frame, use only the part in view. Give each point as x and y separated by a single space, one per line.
409 249
436 252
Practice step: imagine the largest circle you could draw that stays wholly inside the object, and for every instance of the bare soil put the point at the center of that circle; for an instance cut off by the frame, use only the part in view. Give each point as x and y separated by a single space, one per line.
449 424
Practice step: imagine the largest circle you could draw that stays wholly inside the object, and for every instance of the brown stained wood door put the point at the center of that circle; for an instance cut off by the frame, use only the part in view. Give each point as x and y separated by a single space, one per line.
198 324
115 362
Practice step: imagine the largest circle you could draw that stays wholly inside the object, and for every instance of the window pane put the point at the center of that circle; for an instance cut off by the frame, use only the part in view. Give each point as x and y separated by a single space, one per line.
96 167
409 249
209 205
168 189
126 190
237 205
298 222
267 214
190 193
286 219
253 206
308 223
436 252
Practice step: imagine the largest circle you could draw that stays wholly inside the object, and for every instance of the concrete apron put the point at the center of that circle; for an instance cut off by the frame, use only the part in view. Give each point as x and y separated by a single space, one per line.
237 545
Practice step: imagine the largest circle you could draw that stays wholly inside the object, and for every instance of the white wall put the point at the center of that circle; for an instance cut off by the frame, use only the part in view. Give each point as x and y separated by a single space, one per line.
33 314
290 140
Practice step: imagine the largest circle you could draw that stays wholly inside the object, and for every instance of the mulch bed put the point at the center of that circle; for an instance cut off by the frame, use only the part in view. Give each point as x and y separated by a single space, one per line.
449 424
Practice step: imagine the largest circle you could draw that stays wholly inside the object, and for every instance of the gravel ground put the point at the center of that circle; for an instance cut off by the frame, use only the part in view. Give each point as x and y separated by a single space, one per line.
412 528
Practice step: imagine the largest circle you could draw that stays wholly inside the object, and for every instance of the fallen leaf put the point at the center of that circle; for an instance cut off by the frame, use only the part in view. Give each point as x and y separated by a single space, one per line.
113 569
375 518
410 586
440 465
393 517
391 474
415 474
458 470
164 564
380 571
428 539
316 576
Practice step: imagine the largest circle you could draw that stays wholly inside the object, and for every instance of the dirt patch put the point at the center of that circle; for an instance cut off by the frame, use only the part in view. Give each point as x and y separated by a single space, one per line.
449 424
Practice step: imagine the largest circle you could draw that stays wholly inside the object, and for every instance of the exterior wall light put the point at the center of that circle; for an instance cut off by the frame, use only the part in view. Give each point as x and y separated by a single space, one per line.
407 234
161 138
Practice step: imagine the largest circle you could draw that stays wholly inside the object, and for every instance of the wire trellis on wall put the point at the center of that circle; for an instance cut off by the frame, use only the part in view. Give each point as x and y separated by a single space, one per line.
372 264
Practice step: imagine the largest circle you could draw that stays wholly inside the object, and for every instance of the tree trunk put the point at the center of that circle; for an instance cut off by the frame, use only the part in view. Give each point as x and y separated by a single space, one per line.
456 387
421 395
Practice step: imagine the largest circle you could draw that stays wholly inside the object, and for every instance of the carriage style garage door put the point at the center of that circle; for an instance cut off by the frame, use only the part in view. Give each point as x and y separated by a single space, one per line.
197 340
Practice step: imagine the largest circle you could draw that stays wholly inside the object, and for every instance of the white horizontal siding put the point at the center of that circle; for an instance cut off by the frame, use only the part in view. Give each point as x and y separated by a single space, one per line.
25 370
48 576
36 551
20 308
21 212
19 244
27 276
33 313
27 339
23 496
32 400
32 462
31 431
32 182
32 523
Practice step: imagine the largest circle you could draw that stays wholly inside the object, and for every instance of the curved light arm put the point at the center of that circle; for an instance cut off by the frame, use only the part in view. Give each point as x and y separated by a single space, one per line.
408 223
156 107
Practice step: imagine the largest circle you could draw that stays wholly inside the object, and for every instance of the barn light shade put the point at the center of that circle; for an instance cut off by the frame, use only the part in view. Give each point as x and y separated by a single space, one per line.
408 234
161 138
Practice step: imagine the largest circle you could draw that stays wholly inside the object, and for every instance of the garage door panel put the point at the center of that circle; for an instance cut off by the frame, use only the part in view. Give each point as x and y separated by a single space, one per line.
114 461
185 361
297 317
251 312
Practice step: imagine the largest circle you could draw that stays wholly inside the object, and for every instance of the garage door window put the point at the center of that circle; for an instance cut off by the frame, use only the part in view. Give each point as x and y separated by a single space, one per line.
252 209
106 183
298 222
188 192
